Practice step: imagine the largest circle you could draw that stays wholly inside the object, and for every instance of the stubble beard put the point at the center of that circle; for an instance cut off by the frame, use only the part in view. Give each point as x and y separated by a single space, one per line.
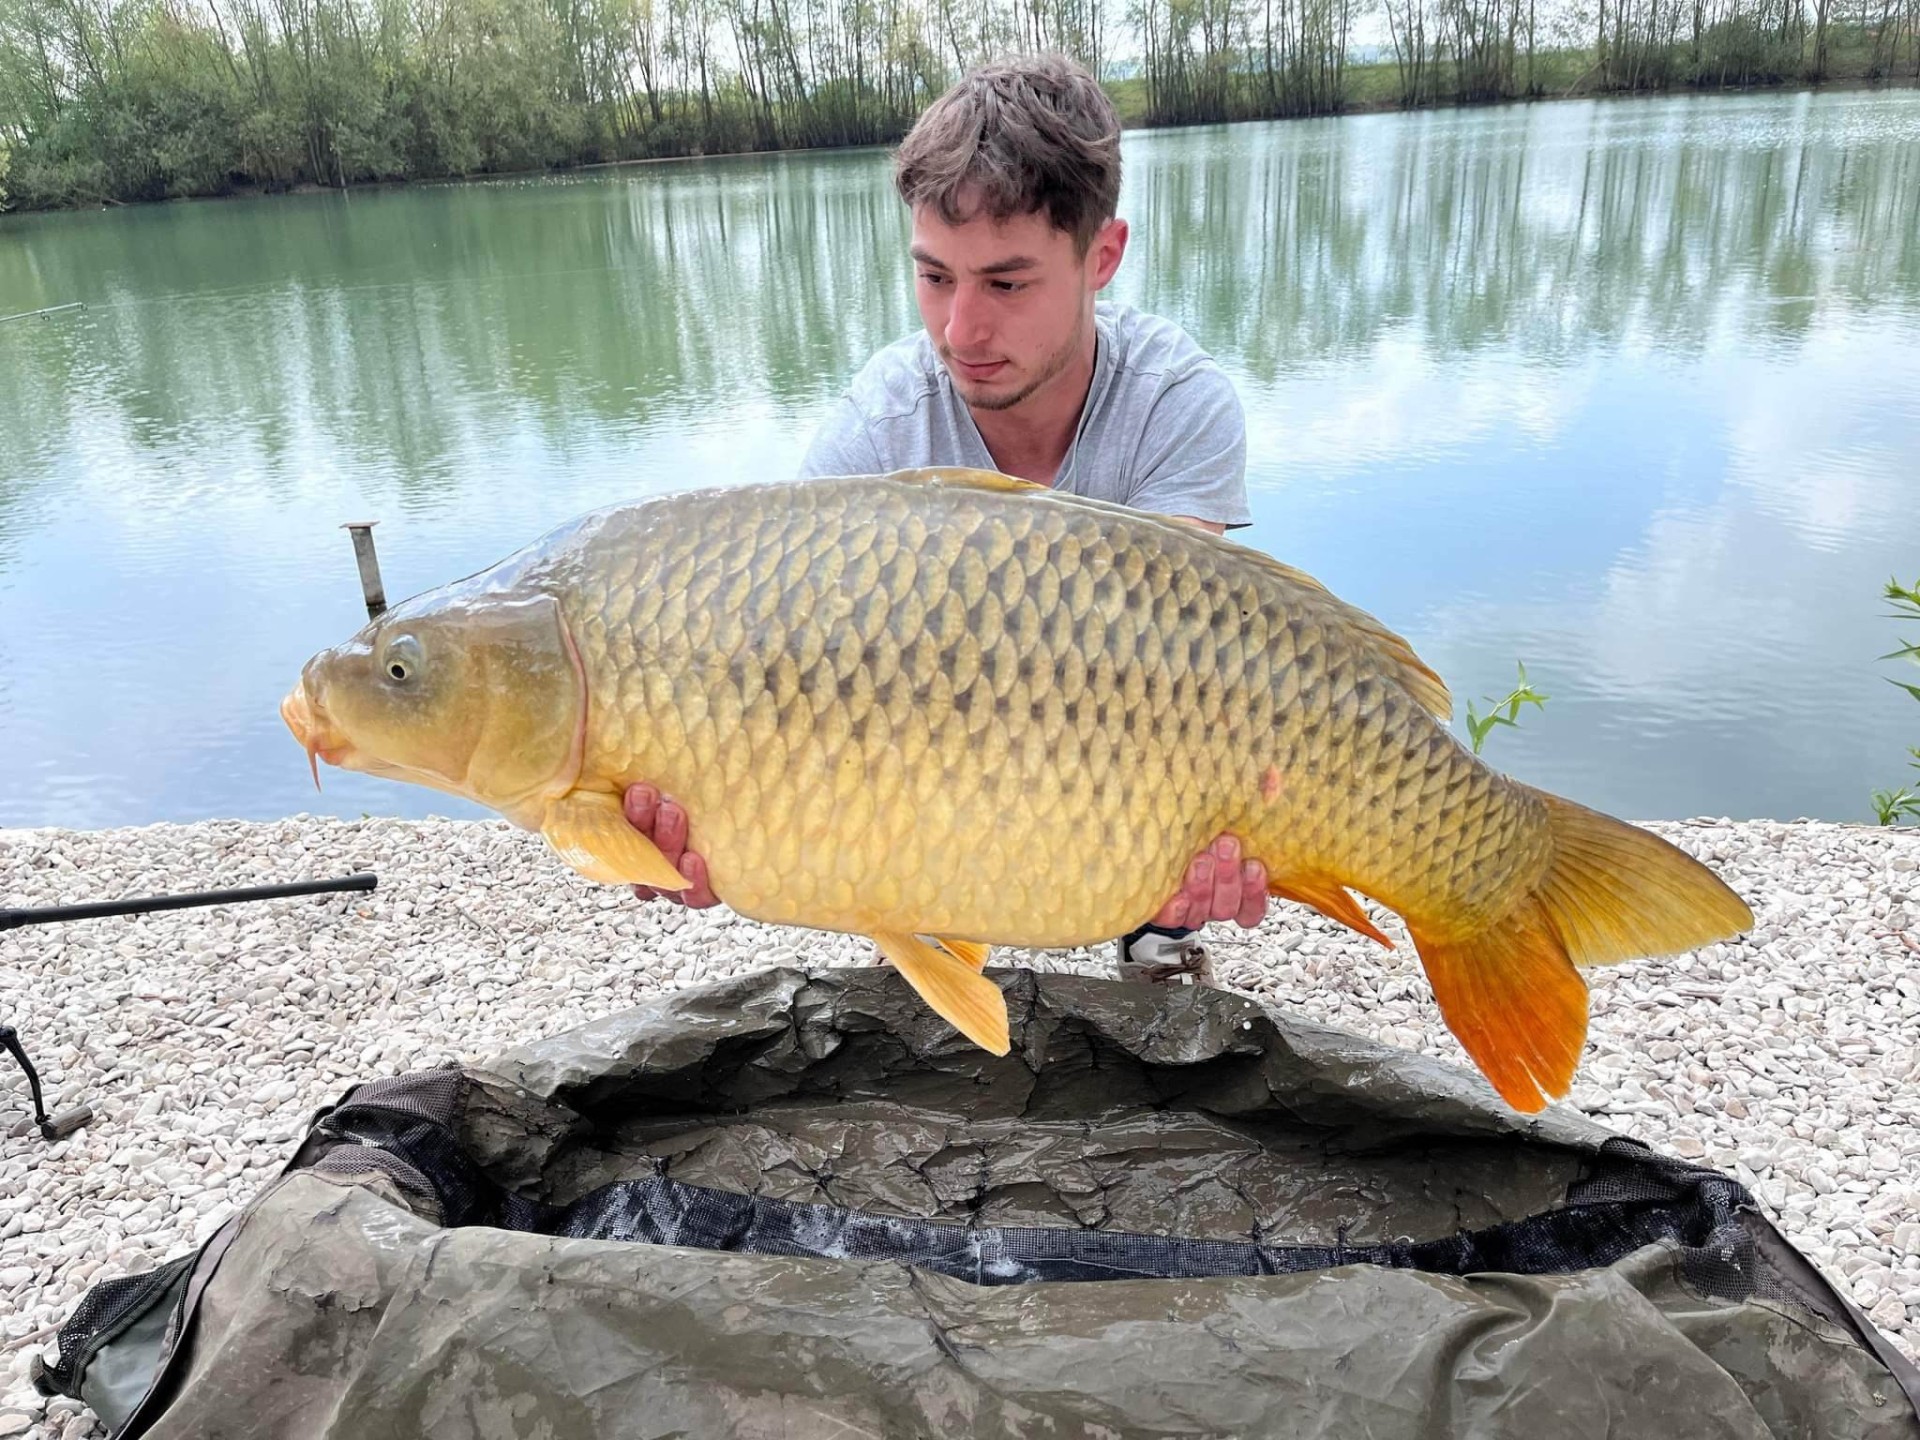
1051 368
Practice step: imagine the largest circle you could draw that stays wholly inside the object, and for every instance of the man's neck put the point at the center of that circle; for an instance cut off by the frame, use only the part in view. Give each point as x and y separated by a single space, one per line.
1031 440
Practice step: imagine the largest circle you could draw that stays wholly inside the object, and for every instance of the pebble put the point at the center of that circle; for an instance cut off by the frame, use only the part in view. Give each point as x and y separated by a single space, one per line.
1889 1314
205 1039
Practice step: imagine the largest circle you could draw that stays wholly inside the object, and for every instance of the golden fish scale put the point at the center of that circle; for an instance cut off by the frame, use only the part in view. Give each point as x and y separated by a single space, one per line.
1003 716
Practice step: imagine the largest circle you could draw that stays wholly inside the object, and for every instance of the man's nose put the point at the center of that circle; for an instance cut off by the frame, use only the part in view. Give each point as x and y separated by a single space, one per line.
968 323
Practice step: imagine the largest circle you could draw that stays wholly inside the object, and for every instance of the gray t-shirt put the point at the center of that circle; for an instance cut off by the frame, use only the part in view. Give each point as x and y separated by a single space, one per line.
1162 429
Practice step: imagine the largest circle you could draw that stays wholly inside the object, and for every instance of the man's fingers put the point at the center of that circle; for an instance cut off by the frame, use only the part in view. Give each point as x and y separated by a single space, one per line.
1218 885
670 834
1188 905
664 822
642 806
1199 886
699 892
1253 894
1224 901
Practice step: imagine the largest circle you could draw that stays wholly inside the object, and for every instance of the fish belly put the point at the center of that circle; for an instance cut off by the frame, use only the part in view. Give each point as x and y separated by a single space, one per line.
936 709
957 711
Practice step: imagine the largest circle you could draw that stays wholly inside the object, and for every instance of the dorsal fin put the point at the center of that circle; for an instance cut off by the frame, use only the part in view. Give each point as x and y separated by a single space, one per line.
1393 652
965 475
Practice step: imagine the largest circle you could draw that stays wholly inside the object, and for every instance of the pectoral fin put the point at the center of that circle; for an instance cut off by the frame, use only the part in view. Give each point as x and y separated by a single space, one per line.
963 997
591 833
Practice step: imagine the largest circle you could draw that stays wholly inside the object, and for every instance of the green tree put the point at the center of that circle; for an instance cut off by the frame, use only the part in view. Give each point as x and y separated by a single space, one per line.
144 99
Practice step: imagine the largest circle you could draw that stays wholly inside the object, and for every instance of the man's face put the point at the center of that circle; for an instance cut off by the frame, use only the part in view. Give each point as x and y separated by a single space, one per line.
1007 302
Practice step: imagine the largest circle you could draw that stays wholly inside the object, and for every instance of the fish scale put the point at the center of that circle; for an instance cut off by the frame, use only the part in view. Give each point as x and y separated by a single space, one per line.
948 705
1169 719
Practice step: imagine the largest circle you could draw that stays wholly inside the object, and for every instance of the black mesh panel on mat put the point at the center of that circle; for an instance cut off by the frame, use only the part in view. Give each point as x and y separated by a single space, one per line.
103 1312
1632 1199
667 1212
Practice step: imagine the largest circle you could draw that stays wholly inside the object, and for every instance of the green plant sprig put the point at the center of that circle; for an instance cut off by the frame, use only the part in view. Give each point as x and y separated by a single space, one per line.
1893 806
1480 726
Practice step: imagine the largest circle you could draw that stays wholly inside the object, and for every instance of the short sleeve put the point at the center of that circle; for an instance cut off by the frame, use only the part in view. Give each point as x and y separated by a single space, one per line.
1193 451
841 445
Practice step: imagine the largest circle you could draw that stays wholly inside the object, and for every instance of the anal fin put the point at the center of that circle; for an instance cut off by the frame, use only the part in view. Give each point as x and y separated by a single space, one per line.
957 993
1331 899
591 833
970 952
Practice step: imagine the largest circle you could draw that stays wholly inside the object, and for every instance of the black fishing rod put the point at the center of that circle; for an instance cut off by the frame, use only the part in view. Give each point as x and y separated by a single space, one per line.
59 1127
47 914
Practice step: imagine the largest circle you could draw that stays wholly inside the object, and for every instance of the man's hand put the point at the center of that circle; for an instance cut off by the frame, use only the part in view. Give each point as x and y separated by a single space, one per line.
663 821
1219 886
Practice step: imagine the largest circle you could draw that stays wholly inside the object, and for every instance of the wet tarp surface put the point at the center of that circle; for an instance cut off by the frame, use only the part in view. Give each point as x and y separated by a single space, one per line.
796 1206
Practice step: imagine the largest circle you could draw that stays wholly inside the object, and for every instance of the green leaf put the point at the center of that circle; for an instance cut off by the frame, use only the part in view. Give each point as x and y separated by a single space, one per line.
1905 597
1480 726
1890 805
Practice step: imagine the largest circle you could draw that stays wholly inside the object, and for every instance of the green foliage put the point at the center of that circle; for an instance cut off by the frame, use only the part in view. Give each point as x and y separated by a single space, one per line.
114 100
1906 606
1480 726
1892 806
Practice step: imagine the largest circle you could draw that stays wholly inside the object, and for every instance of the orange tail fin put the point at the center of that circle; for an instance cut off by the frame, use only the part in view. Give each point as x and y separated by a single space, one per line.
1510 992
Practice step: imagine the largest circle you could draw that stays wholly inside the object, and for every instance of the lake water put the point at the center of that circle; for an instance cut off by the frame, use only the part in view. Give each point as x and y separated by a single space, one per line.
1626 390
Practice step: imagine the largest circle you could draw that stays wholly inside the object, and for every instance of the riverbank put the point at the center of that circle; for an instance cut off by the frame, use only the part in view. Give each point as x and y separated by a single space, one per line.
1371 89
203 1039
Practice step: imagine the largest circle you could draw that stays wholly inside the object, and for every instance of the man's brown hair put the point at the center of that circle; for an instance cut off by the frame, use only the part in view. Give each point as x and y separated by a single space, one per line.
1015 137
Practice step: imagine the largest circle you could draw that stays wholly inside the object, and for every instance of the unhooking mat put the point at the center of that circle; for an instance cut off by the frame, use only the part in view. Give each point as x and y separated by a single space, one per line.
802 1206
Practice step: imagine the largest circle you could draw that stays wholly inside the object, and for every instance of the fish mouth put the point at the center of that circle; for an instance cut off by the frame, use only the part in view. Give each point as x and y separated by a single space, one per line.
309 727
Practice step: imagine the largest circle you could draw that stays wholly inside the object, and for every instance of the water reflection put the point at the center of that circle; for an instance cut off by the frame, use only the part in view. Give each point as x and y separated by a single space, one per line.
1551 231
1629 390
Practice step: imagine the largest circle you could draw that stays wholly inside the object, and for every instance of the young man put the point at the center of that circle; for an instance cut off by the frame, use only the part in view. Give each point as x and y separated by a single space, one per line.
1012 179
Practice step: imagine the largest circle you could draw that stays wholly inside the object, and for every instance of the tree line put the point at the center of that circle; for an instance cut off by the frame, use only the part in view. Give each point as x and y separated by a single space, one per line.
120 100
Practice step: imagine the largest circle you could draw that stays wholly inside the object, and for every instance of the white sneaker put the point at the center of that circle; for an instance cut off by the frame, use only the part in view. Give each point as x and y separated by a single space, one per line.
1158 955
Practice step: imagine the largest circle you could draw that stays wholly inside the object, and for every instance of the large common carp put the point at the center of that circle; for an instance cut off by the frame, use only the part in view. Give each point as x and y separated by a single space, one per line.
948 709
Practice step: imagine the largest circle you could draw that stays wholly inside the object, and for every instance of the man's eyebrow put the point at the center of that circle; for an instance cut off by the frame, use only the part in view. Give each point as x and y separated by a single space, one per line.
998 267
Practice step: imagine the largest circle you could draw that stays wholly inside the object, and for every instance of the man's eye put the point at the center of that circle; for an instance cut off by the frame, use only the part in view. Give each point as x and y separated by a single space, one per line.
931 278
1009 287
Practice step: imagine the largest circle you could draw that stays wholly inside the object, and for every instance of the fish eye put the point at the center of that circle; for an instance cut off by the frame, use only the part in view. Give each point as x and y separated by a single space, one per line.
402 659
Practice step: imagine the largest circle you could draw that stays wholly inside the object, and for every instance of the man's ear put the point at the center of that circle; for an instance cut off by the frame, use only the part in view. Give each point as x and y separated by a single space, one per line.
1109 244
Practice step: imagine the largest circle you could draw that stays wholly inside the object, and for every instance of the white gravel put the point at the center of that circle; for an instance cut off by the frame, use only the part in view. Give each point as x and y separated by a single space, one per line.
204 1039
